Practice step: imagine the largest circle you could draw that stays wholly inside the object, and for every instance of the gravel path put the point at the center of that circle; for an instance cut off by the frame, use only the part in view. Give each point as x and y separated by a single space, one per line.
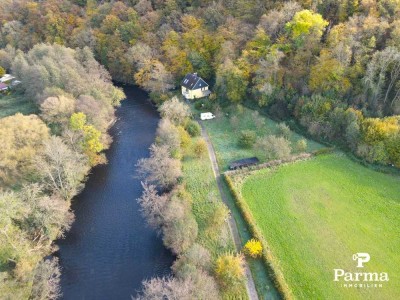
250 286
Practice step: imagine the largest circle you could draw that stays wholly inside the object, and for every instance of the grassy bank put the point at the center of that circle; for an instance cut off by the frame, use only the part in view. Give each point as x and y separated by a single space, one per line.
201 184
316 214
225 137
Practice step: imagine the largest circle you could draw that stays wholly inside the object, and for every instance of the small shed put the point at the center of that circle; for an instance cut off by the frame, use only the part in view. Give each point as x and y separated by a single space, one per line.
242 163
194 87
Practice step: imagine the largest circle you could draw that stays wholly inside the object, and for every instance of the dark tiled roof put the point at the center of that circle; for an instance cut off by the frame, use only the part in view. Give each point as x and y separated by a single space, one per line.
193 82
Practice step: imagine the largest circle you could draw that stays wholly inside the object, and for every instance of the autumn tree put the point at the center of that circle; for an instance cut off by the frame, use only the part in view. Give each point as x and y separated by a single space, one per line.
22 139
160 168
175 110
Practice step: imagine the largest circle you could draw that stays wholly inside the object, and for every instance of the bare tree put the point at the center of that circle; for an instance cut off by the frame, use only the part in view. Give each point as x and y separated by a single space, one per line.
160 168
62 169
153 205
175 110
46 281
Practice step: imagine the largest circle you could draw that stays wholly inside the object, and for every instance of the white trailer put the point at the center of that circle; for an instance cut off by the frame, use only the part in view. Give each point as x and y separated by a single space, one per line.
206 116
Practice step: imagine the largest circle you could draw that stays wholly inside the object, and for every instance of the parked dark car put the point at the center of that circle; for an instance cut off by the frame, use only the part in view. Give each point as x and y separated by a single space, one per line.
245 162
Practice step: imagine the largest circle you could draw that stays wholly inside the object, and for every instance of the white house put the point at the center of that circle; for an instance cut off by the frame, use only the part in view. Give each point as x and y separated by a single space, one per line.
194 87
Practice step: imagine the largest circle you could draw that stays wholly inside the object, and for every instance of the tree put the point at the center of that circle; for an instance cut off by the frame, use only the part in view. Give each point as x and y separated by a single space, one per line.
153 77
91 137
382 78
229 269
22 139
2 71
175 110
283 130
169 135
160 168
247 138
46 281
272 147
57 109
306 22
231 82
153 205
199 285
197 257
193 128
62 169
301 145
200 148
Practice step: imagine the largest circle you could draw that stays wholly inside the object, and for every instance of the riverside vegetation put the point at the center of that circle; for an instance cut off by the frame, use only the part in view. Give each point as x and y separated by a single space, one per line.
45 158
330 68
181 201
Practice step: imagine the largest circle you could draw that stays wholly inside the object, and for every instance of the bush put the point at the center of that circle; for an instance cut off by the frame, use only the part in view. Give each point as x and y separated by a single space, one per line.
253 248
197 257
200 148
193 128
230 271
283 130
272 147
301 145
247 138
184 137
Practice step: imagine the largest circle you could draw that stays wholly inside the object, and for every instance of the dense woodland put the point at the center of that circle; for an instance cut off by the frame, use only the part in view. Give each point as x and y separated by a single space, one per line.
332 67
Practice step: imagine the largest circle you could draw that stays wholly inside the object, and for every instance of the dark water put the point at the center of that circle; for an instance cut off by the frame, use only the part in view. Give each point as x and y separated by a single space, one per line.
109 249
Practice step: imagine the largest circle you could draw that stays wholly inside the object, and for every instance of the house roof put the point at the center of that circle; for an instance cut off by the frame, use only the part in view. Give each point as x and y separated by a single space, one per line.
3 86
193 82
6 77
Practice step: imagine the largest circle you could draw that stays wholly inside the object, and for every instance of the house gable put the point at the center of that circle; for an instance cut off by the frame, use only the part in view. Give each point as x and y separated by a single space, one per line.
193 82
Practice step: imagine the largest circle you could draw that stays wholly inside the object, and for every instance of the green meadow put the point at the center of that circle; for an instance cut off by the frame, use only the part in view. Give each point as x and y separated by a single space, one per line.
316 214
225 138
14 103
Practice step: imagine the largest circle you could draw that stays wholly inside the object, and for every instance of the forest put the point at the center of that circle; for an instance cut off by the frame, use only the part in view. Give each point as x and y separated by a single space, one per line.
332 66
329 68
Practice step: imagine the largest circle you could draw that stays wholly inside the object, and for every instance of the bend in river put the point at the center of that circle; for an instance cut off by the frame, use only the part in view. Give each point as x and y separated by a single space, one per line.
109 249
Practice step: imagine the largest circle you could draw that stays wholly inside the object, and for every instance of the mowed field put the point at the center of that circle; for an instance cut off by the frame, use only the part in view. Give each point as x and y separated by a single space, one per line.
316 214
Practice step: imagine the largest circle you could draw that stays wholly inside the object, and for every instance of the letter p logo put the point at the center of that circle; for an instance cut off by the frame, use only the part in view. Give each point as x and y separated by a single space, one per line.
361 258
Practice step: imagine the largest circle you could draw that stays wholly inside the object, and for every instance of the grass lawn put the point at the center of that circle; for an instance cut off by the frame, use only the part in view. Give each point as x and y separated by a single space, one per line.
225 138
201 184
316 214
14 103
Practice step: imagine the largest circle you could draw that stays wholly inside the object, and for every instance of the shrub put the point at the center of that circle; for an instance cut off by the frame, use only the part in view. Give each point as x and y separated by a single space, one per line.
301 145
283 130
2 71
193 128
272 147
200 148
253 248
247 138
185 139
230 271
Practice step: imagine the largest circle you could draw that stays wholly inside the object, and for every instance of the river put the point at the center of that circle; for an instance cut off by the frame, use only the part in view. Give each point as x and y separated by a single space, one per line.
109 249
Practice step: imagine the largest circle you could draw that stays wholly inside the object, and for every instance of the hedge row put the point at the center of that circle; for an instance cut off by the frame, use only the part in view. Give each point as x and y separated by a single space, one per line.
268 259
